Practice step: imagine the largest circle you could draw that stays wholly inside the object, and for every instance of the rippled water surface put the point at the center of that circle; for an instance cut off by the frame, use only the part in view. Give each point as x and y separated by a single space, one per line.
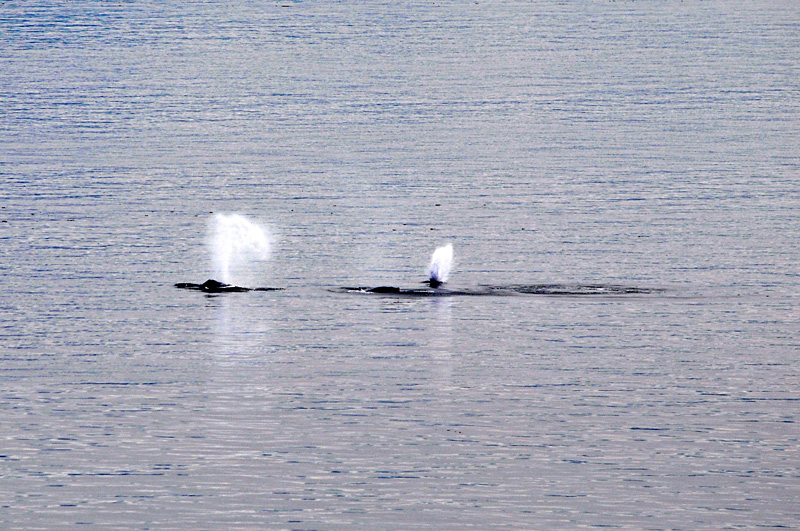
596 145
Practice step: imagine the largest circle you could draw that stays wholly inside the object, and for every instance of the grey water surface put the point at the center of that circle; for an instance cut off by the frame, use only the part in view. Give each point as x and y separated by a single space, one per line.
644 144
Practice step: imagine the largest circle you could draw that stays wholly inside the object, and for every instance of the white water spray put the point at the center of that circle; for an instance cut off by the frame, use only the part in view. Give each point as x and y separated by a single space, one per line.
236 241
441 262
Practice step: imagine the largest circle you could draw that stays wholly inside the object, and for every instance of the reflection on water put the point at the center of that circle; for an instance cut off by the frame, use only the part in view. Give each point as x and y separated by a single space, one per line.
240 327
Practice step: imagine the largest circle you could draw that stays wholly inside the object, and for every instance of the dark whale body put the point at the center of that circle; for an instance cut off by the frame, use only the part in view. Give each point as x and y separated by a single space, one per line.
411 292
215 286
573 289
564 290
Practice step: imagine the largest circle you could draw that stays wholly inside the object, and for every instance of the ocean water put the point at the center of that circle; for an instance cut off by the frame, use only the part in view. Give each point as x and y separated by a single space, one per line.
641 144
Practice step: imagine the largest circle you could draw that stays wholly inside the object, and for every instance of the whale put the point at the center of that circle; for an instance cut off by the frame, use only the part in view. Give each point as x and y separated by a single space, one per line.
553 290
215 286
433 289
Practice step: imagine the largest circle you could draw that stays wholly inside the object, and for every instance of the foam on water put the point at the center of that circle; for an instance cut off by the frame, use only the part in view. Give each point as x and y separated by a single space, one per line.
235 243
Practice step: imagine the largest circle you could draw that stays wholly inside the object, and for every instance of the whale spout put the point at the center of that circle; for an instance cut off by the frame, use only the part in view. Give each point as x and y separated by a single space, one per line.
235 243
441 262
